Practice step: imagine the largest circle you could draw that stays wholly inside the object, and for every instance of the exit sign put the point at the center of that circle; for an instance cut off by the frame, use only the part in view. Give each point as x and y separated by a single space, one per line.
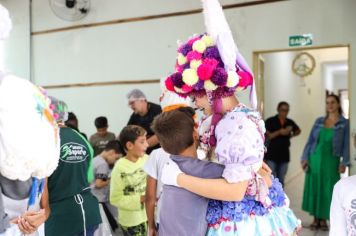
300 40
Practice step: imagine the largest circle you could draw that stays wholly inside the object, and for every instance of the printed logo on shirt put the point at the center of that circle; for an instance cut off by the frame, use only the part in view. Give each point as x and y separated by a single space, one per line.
351 226
134 182
74 152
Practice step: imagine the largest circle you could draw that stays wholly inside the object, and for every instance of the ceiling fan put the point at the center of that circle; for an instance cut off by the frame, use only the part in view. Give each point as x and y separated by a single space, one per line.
70 10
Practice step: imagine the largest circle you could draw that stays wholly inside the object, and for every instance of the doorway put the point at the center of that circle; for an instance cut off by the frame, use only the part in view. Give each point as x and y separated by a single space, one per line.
302 77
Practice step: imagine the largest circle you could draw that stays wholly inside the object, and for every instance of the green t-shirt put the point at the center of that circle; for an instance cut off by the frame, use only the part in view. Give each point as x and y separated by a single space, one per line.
69 184
128 184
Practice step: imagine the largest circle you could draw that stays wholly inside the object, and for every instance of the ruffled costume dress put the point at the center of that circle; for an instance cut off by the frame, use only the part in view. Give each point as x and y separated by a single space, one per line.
263 211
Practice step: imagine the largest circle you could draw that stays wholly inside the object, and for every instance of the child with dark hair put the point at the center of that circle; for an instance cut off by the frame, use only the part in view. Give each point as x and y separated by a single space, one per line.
72 122
102 172
153 167
128 182
183 212
102 136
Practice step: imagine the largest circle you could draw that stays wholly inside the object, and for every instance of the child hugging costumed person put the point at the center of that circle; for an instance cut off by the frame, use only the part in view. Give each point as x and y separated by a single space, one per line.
209 69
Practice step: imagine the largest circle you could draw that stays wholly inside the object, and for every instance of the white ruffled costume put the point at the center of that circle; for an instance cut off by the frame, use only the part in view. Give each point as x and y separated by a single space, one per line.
29 141
29 136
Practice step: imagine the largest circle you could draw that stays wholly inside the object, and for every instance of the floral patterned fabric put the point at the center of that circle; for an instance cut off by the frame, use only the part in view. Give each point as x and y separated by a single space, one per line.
240 143
251 217
263 211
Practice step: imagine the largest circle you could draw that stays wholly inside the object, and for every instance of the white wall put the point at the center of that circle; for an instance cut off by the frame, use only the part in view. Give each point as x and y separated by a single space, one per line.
340 80
16 49
111 52
131 51
306 102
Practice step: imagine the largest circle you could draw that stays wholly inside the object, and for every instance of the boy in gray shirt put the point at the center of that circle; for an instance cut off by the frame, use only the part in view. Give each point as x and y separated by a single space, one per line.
101 185
183 213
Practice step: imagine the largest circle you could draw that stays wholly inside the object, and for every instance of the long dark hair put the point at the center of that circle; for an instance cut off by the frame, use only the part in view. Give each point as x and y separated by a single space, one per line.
337 98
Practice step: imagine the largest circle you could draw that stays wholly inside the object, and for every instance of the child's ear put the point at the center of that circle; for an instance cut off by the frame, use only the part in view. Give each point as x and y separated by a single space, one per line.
129 145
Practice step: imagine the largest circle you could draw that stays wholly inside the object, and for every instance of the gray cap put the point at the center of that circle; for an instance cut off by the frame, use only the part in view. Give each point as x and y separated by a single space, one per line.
135 95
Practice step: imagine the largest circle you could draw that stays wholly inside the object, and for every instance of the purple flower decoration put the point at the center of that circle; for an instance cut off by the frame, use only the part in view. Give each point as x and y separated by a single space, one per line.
186 66
276 193
185 49
199 85
219 211
219 77
214 212
212 52
222 92
177 79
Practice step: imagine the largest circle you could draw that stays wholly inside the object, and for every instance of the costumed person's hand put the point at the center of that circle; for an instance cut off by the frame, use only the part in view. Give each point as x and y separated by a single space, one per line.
266 168
266 176
304 164
35 218
170 173
342 169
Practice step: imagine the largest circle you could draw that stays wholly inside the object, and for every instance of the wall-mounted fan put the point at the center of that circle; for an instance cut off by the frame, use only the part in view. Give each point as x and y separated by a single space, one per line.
70 10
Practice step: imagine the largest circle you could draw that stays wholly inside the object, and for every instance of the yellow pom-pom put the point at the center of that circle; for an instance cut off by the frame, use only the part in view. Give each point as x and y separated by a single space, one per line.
190 77
208 40
240 89
181 59
178 90
208 85
194 64
232 79
199 46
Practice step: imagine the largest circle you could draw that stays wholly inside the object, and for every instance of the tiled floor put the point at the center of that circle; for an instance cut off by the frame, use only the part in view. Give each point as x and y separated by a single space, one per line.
294 189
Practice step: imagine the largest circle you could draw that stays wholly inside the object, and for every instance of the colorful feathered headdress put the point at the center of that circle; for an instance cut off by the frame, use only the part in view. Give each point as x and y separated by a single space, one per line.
211 63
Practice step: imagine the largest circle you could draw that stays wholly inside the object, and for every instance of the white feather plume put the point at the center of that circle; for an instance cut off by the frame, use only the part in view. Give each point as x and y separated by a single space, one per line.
5 23
218 28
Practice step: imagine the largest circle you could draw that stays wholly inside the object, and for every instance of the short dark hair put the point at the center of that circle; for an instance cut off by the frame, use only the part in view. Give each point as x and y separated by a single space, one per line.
114 145
101 122
130 133
174 129
283 103
72 116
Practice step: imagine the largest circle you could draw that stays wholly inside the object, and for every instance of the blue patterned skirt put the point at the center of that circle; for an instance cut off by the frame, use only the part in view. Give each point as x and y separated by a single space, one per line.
250 217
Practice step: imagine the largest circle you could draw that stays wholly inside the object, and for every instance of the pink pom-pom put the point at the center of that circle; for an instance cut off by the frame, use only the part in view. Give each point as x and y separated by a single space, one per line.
187 88
55 116
169 84
194 55
191 41
179 69
206 69
51 106
246 79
